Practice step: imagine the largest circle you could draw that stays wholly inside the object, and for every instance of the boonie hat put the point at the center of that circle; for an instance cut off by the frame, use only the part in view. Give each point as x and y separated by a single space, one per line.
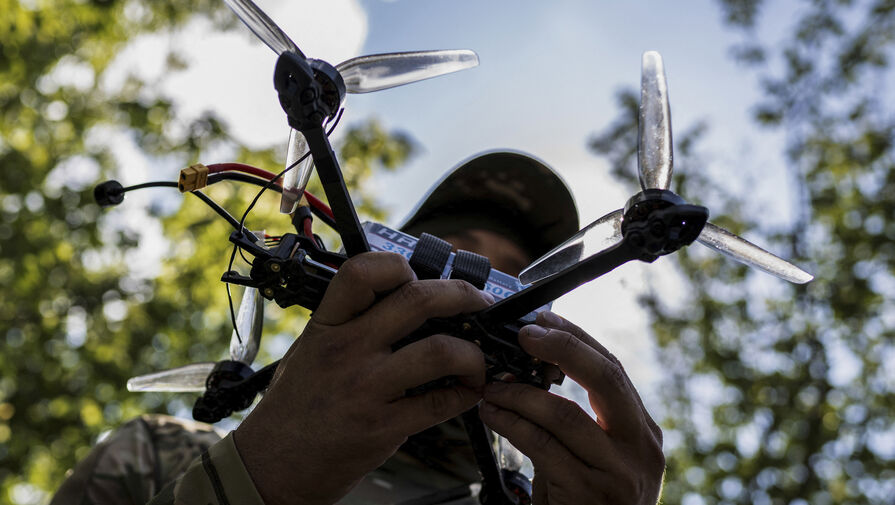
508 192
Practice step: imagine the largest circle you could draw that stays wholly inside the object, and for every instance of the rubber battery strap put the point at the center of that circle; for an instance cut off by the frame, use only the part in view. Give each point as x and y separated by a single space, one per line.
430 257
471 267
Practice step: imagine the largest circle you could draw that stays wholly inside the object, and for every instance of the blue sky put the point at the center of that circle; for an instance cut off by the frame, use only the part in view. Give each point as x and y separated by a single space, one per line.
548 77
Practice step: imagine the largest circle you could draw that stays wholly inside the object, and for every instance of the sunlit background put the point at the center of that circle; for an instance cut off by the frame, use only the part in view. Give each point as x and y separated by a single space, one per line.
730 391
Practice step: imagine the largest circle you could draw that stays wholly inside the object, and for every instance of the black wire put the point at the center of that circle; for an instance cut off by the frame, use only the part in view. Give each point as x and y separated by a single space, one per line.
241 253
155 184
241 177
290 167
265 188
237 176
230 297
239 225
217 208
257 181
201 196
241 228
319 214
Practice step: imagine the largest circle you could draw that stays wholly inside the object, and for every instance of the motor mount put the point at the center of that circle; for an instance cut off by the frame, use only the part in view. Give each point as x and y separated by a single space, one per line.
659 222
309 90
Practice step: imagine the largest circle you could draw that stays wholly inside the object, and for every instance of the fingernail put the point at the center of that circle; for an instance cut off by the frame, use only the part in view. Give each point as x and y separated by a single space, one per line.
551 318
534 331
488 296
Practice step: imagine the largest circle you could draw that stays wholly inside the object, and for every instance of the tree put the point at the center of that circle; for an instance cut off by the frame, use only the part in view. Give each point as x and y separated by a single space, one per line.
79 317
786 398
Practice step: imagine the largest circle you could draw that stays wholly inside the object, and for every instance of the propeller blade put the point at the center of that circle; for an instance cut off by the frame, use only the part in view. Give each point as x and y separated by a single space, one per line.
249 321
182 379
596 237
654 152
296 180
750 254
382 71
263 27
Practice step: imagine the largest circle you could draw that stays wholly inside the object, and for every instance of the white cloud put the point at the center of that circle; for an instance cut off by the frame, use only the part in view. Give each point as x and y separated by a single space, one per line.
231 74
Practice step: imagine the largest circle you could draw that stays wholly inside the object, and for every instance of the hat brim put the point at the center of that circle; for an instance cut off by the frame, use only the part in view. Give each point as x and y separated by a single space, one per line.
510 188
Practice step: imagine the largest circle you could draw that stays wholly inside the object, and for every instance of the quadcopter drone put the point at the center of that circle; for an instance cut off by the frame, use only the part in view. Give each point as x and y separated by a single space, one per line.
295 268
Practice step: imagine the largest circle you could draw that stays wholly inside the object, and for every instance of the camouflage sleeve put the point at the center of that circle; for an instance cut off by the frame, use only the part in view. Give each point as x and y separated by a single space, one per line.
136 461
218 477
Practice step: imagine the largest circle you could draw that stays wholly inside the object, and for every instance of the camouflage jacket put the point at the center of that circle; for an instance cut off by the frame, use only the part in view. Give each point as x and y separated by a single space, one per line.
162 460
136 461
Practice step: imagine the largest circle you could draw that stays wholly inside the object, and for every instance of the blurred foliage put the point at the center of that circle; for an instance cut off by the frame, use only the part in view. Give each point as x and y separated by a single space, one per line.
782 394
80 310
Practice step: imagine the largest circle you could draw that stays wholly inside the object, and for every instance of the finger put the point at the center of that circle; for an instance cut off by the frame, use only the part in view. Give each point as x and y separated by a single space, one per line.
409 306
414 414
432 358
358 283
539 489
613 399
563 418
552 459
549 319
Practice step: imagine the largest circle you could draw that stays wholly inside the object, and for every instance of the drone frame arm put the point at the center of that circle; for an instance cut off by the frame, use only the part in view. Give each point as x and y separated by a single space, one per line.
347 223
310 91
550 288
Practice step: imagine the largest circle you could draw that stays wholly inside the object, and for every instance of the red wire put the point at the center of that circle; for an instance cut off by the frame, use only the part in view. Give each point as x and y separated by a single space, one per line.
318 204
313 201
240 167
307 227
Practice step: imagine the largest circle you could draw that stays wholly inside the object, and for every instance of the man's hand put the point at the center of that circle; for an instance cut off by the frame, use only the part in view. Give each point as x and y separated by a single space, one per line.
616 460
336 408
